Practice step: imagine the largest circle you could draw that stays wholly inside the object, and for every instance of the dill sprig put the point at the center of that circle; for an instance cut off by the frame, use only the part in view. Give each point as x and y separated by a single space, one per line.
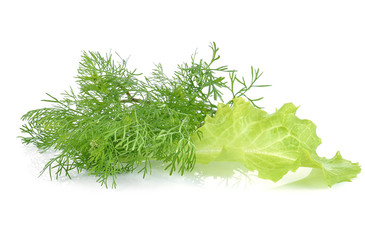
119 122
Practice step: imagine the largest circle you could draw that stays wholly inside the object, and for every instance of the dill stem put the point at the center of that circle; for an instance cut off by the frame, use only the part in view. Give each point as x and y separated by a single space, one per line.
137 100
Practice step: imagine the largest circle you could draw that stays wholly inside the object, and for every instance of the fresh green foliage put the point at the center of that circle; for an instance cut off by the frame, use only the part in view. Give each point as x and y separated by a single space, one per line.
118 122
272 144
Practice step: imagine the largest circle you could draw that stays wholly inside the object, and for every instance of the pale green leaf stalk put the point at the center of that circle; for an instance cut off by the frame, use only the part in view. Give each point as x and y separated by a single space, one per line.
272 144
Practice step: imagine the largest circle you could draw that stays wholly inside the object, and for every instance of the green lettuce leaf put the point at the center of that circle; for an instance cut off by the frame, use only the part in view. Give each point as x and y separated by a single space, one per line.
272 144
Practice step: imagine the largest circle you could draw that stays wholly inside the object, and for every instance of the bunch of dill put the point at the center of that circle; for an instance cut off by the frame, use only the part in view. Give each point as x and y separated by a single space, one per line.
118 123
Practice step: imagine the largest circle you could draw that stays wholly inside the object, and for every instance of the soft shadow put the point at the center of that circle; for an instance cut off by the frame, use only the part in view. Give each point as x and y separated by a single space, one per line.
315 180
215 174
223 173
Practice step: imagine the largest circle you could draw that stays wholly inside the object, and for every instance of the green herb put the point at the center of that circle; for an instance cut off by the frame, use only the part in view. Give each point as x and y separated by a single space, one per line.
118 122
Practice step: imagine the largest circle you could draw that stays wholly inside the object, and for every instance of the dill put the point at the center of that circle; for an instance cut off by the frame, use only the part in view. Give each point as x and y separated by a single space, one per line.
118 122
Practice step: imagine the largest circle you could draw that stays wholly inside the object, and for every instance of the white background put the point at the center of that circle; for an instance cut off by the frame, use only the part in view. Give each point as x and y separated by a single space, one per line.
312 52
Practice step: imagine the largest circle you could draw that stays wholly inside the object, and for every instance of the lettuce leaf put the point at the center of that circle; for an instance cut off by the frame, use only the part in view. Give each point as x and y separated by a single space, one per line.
272 144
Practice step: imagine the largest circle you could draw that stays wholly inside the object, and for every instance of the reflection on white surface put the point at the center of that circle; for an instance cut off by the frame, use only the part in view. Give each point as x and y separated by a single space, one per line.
212 175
